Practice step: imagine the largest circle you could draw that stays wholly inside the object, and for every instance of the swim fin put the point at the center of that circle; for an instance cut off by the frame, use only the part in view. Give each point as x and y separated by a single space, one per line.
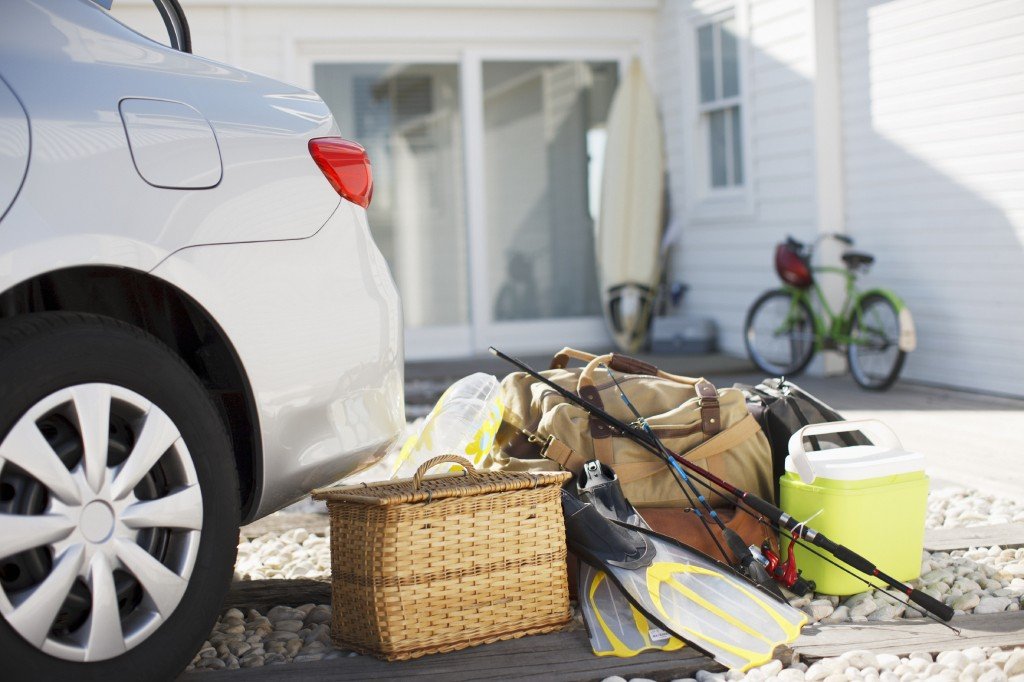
615 626
691 596
598 485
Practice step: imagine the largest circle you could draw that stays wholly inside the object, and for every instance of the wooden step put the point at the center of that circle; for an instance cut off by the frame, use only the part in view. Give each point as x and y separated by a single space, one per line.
947 539
567 655
906 636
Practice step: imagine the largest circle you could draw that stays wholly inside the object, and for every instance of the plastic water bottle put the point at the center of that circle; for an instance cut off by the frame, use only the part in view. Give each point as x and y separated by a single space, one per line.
463 422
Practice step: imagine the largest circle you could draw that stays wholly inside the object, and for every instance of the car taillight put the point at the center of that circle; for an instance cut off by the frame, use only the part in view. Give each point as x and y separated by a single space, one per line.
346 166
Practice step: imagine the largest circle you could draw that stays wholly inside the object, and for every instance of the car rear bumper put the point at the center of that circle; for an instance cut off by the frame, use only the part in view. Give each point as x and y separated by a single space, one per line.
317 325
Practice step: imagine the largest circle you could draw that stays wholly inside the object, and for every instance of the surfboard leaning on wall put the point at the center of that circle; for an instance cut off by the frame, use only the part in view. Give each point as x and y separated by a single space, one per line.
628 230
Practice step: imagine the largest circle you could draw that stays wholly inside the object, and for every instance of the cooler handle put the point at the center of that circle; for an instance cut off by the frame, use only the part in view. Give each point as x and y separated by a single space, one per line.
876 431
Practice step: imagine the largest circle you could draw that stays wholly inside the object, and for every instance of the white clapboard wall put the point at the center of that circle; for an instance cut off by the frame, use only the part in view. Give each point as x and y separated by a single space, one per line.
726 251
932 137
933 145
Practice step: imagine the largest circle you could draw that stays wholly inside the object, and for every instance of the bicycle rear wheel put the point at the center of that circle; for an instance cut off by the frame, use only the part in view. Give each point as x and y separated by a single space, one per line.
874 352
779 333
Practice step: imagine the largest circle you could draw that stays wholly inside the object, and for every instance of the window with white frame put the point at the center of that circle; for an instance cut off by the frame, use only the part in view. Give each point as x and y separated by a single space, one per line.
721 119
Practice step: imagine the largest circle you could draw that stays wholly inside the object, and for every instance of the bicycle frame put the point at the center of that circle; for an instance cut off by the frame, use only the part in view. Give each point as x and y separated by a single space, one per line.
832 330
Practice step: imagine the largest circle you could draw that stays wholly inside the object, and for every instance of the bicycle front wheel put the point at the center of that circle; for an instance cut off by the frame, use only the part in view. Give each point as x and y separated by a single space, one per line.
779 333
874 352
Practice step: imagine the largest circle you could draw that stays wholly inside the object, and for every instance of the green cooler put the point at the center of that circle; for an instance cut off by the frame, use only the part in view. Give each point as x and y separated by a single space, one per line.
871 498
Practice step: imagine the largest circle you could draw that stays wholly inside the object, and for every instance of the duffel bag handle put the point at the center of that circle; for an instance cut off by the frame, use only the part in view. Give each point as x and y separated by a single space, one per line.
562 357
617 361
628 365
710 412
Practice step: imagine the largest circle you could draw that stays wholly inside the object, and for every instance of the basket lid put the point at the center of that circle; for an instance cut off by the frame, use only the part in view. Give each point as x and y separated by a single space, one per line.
423 488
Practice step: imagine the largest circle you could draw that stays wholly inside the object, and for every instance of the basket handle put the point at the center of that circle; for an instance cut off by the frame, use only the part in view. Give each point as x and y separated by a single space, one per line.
440 459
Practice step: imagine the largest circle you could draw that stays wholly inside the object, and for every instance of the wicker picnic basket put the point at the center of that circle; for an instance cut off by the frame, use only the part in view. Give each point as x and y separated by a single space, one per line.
439 563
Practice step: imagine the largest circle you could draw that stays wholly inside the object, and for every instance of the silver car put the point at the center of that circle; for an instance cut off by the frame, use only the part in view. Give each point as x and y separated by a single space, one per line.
196 328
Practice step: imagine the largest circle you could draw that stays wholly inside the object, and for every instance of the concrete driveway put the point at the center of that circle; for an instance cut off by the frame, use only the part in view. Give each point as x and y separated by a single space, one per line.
969 439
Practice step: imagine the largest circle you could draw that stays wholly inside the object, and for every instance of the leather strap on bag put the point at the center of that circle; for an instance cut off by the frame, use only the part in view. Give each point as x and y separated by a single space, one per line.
557 451
724 441
523 445
707 394
617 361
710 412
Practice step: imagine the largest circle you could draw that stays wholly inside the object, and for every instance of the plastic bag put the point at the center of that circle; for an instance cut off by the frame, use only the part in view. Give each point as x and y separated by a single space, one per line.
463 422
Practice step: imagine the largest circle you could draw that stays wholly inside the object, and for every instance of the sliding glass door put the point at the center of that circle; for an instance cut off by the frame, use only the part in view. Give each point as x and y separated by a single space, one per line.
487 183
543 148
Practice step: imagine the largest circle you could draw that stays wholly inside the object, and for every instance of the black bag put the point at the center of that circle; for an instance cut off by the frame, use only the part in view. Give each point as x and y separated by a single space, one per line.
781 408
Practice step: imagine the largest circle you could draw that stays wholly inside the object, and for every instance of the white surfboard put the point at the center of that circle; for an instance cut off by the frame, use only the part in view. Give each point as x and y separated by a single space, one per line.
628 230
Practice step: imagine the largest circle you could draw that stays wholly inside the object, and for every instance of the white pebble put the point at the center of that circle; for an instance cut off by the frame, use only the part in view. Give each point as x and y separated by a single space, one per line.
840 615
952 659
966 602
992 676
820 670
705 676
863 609
887 661
860 659
1014 664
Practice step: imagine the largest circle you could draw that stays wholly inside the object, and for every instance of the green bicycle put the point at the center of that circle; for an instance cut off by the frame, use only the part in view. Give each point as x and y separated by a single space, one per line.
783 331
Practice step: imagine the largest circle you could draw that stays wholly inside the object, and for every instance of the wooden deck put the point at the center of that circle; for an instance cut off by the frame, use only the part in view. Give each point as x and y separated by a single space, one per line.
567 655
945 539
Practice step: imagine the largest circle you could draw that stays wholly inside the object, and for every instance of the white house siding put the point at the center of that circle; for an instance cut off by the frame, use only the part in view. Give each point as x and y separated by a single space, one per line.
726 249
933 137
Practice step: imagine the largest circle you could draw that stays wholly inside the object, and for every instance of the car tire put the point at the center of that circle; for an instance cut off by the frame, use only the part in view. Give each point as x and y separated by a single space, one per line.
149 565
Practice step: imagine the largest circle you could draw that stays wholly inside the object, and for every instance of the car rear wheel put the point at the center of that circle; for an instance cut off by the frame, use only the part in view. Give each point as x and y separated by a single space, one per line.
118 502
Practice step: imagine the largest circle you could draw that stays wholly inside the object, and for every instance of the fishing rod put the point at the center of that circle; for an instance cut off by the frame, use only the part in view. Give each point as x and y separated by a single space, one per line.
789 575
748 563
800 543
779 518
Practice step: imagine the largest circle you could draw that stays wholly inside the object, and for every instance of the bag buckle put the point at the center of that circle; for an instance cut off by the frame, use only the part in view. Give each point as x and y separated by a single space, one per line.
710 414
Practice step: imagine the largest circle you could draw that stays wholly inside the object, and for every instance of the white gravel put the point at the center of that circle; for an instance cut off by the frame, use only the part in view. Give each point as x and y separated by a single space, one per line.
978 580
957 508
293 554
976 664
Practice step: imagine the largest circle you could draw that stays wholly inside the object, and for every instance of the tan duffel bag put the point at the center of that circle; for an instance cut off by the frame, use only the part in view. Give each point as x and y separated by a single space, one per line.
710 427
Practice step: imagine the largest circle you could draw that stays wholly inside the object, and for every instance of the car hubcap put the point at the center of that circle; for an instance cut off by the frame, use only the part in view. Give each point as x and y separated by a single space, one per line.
100 521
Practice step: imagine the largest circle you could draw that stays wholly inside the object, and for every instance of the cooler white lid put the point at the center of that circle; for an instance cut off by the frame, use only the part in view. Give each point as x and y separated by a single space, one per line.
885 457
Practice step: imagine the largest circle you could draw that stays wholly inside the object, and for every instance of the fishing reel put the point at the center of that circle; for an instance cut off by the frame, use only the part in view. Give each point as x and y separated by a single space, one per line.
784 572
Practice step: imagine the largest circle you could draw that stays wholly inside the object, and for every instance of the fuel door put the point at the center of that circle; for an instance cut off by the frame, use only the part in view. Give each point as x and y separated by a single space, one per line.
14 147
172 145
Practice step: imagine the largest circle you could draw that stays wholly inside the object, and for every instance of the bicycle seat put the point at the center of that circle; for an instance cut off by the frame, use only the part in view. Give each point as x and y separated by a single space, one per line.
856 259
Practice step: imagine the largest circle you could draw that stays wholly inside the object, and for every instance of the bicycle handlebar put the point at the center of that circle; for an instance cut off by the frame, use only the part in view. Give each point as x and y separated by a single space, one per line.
844 238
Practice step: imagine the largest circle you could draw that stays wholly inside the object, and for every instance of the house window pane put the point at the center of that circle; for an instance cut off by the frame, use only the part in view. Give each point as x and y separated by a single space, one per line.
706 50
407 116
719 169
543 148
737 146
730 66
718 47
